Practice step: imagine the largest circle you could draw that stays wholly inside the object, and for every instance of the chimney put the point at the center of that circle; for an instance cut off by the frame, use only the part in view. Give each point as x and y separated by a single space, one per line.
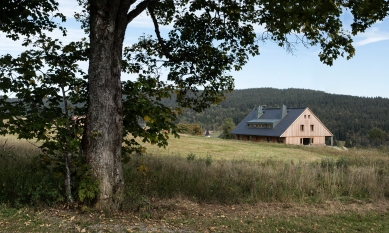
284 111
260 112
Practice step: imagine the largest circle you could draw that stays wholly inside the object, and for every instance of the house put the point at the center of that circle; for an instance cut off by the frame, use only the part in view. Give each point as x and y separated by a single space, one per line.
298 126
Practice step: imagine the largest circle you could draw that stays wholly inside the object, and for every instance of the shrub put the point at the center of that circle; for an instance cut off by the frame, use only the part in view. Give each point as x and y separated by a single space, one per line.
208 160
190 157
342 163
25 181
327 164
39 180
227 126
192 129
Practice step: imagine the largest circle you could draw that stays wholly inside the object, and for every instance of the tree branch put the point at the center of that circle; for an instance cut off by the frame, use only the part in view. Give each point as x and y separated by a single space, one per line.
138 9
158 33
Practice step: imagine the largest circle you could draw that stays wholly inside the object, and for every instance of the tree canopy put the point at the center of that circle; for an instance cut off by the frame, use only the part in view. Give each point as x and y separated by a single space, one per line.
226 128
28 18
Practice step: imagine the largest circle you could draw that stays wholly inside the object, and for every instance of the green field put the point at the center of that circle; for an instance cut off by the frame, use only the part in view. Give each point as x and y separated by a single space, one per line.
200 184
253 151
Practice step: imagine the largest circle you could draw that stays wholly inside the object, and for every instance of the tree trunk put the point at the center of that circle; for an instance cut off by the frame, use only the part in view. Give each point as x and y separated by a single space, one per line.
105 120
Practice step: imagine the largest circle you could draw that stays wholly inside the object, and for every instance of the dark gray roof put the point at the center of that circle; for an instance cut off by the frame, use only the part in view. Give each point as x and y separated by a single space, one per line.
268 115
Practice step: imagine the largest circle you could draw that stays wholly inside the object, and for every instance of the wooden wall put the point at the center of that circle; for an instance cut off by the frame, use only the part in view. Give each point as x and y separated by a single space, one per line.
296 140
307 118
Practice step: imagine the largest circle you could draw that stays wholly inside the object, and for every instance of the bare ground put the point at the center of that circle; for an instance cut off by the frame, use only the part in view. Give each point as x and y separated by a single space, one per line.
175 215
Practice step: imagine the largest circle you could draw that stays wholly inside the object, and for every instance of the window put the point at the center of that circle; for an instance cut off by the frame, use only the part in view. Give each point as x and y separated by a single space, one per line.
301 141
309 116
305 116
301 127
311 140
312 127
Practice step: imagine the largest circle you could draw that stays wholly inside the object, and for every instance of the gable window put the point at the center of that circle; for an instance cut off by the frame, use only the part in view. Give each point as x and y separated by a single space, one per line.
309 116
312 127
301 127
305 116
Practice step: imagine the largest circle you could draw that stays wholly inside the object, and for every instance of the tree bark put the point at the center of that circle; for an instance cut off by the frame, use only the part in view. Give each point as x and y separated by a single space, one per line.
104 119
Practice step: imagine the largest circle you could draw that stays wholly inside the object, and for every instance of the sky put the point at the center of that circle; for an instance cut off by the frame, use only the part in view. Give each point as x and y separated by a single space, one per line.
364 75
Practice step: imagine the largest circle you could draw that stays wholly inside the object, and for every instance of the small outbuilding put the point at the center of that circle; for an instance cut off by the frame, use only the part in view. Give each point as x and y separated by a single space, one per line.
297 126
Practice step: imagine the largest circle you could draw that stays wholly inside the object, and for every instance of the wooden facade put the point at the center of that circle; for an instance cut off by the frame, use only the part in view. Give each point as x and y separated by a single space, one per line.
306 130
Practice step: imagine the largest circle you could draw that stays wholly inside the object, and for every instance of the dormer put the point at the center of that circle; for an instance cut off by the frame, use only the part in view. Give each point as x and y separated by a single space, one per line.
268 120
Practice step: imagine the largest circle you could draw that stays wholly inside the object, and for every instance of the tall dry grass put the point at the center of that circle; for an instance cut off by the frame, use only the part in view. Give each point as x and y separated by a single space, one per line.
269 173
240 181
11 145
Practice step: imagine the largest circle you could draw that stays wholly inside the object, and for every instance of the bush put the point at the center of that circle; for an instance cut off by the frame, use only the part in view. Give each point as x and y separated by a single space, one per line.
327 164
192 129
39 180
26 182
208 160
226 128
342 163
191 157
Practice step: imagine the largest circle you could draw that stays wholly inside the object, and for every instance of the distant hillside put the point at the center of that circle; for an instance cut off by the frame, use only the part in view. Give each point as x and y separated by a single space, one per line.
347 117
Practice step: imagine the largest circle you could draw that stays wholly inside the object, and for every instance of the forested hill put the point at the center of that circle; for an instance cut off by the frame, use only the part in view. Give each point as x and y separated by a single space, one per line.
347 117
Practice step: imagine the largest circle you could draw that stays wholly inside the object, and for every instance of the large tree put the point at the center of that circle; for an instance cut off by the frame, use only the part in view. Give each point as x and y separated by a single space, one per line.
208 39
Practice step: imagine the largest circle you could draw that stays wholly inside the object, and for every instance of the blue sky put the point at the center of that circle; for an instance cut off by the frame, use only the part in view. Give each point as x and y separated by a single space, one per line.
366 74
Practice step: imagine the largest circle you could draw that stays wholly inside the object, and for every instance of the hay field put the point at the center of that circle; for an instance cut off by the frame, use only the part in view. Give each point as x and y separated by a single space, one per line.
221 149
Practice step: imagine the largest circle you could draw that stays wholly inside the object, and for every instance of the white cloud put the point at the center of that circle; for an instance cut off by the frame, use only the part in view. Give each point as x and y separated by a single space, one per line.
372 35
142 21
14 47
9 46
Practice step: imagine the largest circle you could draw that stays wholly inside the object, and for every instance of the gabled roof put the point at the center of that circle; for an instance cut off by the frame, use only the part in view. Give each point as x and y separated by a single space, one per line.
269 115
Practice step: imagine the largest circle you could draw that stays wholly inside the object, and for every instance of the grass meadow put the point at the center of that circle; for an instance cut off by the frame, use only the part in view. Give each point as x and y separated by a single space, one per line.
200 184
228 171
